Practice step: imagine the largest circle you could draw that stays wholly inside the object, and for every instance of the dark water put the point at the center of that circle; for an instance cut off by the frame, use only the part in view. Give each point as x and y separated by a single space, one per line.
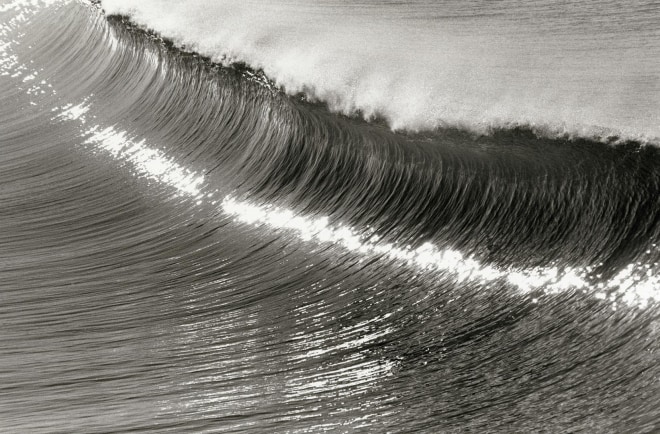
184 248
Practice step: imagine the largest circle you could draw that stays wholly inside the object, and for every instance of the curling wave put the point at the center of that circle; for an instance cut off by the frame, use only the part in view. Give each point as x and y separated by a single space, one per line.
183 247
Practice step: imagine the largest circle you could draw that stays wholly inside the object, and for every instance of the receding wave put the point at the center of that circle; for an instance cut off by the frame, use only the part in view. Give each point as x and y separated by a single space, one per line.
589 69
184 248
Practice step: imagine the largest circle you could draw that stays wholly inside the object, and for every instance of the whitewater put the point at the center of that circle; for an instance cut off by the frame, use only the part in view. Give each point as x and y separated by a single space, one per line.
584 68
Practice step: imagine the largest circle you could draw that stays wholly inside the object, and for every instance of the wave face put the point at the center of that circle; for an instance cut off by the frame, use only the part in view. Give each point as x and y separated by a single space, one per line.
184 248
588 68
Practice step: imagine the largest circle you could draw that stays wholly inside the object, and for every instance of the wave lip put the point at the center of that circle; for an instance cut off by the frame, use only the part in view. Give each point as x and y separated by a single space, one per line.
422 67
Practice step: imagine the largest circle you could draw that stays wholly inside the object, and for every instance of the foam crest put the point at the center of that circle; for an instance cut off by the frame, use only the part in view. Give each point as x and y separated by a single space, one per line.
586 70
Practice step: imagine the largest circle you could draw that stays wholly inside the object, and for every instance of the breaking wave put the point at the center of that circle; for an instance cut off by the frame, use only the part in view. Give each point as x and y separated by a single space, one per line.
589 69
183 247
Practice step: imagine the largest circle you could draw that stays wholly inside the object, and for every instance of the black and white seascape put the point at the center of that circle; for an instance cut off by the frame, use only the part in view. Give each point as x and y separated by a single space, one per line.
329 216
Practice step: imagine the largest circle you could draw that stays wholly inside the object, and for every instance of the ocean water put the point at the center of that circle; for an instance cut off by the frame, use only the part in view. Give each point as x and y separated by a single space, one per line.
326 216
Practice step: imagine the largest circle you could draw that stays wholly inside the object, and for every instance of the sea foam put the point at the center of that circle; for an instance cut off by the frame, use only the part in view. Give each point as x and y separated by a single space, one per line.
586 69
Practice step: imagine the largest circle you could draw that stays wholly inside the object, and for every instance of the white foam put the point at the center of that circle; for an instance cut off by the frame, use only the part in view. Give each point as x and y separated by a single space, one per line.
559 69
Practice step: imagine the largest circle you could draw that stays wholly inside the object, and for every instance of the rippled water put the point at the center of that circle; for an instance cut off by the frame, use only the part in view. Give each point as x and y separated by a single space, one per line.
184 247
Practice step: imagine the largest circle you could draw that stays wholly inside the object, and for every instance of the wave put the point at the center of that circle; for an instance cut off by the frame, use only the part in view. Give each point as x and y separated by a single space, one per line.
185 248
422 65
508 199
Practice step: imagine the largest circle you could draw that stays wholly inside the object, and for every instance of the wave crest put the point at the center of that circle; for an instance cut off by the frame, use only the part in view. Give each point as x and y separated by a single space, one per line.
421 67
